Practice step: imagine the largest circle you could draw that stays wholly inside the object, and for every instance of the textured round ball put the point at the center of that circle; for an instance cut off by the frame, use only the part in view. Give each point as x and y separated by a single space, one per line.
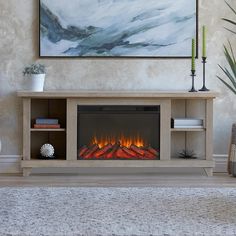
47 150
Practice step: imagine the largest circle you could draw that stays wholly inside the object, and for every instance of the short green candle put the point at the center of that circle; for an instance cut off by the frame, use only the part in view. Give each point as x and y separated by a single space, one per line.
204 41
193 54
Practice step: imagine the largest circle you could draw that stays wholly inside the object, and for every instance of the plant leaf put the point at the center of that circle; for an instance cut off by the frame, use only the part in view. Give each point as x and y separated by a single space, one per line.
229 21
234 32
234 11
229 55
230 77
229 86
230 60
232 52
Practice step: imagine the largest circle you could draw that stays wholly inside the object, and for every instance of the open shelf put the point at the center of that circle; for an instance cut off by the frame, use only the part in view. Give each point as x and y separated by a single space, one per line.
191 139
36 158
48 108
187 129
47 130
56 139
199 158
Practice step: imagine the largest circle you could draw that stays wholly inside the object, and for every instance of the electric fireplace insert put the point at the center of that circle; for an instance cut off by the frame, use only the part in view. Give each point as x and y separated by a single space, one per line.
118 132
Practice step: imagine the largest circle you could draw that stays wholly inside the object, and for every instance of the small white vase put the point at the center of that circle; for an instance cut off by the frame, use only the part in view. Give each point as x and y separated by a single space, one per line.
37 82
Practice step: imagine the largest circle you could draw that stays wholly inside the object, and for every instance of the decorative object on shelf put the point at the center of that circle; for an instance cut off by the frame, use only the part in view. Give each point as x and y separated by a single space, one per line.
230 57
36 73
47 151
187 154
204 57
47 123
88 28
193 88
185 123
45 126
193 66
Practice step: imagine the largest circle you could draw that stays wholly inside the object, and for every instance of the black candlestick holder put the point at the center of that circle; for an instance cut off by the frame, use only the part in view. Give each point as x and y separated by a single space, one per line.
193 88
204 88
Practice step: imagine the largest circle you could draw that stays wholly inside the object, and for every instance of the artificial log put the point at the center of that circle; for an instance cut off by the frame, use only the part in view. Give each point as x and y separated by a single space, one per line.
83 150
137 150
131 153
120 153
111 153
106 149
117 151
148 156
89 154
153 151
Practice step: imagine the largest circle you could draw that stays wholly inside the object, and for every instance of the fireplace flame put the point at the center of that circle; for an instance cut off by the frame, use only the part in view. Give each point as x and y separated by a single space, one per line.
122 139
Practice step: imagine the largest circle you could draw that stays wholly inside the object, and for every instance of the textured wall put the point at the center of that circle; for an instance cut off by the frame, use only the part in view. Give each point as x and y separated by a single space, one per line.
19 45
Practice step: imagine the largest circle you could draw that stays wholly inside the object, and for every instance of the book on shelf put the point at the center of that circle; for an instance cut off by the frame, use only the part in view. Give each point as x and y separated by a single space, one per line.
186 122
46 126
46 121
188 127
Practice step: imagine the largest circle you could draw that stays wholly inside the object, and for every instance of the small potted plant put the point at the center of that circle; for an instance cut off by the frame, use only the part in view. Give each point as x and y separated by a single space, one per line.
36 73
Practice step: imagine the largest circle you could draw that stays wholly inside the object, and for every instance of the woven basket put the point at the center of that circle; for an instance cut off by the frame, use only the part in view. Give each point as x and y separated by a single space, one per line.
232 152
233 139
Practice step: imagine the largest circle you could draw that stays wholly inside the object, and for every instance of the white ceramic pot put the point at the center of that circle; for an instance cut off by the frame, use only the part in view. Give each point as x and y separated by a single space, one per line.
37 82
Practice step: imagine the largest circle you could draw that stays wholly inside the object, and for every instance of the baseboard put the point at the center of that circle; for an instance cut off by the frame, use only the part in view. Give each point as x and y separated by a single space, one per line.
221 163
10 164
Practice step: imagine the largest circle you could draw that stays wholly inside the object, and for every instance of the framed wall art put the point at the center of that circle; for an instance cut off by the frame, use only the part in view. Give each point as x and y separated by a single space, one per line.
117 28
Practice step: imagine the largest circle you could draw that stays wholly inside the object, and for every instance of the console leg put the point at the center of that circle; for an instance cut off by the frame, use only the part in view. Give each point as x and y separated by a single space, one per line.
208 171
26 171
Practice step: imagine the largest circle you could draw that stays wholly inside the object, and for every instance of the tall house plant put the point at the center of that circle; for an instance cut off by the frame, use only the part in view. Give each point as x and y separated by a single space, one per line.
230 74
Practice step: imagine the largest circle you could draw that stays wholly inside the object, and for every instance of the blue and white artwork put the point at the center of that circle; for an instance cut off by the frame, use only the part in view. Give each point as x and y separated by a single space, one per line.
117 28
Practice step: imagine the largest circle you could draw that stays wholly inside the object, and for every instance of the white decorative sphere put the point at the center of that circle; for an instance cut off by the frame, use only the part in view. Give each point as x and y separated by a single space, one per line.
47 150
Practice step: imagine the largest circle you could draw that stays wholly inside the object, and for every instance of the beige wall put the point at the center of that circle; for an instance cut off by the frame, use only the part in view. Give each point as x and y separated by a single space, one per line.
19 46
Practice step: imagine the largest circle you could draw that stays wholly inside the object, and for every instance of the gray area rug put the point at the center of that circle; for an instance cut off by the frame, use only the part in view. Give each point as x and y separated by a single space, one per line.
50 211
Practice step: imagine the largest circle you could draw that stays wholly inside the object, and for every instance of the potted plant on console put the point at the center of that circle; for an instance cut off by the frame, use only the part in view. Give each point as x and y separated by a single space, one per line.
36 73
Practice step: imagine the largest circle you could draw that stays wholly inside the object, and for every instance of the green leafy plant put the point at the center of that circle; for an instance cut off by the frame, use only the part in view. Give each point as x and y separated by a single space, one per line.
187 154
230 21
34 69
230 57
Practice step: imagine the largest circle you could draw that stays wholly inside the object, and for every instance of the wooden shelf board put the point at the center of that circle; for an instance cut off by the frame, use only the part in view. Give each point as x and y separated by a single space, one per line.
187 129
116 94
46 130
117 163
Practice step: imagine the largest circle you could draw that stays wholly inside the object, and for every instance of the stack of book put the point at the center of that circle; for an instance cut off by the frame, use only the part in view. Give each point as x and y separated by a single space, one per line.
186 123
46 123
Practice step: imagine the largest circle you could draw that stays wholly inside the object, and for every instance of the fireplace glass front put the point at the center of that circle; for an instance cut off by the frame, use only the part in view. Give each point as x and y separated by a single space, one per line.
118 132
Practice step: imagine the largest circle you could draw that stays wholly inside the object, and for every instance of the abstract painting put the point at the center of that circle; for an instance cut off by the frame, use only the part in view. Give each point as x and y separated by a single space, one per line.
117 28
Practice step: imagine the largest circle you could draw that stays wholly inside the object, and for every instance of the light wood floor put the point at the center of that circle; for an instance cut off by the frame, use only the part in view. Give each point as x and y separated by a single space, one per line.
118 180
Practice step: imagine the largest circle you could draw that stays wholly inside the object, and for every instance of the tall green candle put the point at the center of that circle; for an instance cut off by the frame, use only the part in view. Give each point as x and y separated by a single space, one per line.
204 41
193 54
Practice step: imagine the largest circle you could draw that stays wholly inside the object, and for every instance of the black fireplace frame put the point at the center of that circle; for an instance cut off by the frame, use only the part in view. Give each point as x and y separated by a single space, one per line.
118 109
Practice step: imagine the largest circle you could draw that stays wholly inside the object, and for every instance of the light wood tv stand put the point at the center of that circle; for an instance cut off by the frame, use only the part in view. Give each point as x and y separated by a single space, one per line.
63 104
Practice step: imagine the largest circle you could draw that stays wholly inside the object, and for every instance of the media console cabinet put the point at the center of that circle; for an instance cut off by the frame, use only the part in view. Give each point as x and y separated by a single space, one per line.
64 105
